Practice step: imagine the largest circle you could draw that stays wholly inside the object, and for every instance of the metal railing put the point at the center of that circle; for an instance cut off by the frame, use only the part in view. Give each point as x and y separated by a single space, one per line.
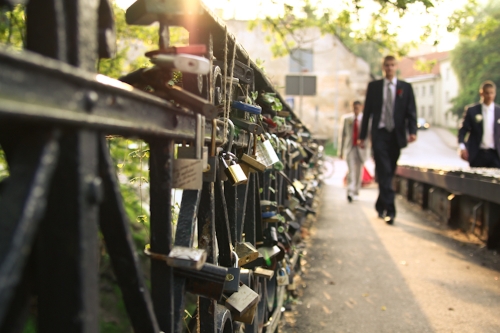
62 189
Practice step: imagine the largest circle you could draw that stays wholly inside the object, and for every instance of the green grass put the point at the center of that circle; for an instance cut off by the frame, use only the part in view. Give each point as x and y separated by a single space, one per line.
330 150
454 131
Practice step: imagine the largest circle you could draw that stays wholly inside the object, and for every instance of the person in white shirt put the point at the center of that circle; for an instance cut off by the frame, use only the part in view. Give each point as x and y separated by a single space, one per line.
354 154
482 122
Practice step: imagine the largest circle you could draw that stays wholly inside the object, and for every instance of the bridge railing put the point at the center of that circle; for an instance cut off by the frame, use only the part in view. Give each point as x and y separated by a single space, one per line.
62 195
468 199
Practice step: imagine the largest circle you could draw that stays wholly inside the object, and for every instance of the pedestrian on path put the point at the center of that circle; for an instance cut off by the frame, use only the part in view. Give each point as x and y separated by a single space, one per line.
482 122
354 154
390 104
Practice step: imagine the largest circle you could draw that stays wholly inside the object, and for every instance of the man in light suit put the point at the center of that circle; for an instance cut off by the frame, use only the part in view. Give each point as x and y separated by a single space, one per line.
390 103
482 122
354 154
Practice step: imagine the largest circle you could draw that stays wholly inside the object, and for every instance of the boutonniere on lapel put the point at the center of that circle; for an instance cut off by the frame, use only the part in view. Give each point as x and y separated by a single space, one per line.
479 118
399 92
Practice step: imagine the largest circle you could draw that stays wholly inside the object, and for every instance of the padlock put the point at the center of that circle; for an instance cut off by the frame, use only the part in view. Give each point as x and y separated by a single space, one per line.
250 163
232 283
242 301
270 236
187 173
248 126
293 203
233 171
246 253
210 175
185 63
186 257
263 272
269 252
282 277
289 216
266 153
268 208
245 107
248 316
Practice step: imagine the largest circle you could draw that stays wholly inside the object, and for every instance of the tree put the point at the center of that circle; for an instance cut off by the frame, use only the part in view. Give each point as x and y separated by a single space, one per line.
476 58
368 42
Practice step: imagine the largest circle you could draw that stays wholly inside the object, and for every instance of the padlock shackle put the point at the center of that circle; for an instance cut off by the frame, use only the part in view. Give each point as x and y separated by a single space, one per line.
214 137
230 137
254 149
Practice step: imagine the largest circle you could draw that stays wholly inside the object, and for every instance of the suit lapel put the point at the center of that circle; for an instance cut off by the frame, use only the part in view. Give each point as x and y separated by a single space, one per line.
479 111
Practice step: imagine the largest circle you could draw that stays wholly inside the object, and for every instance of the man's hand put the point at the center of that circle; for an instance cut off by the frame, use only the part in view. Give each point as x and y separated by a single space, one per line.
412 138
361 143
464 154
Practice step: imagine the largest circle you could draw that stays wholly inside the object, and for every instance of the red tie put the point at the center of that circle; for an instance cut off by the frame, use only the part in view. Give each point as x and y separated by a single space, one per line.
355 132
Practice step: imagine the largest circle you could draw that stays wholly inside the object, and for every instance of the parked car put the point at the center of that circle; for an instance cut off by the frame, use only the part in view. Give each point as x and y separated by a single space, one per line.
422 124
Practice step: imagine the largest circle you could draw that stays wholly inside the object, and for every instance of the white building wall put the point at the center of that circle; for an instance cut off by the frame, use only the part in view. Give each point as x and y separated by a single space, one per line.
424 88
450 88
435 106
341 76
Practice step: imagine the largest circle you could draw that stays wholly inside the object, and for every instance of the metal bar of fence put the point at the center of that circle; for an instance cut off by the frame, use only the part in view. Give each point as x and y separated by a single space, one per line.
162 153
115 227
486 188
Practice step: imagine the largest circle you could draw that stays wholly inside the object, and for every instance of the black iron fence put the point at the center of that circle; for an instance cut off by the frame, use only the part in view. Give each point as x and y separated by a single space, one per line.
464 199
222 133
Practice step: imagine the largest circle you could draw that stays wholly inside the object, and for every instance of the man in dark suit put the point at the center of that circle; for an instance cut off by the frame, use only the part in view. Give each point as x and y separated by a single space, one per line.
391 105
482 122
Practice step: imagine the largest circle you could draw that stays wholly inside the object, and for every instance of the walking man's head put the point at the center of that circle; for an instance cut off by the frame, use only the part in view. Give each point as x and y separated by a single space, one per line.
357 107
488 91
389 66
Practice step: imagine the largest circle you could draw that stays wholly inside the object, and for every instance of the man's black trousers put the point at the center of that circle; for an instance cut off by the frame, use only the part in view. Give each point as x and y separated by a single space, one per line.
386 153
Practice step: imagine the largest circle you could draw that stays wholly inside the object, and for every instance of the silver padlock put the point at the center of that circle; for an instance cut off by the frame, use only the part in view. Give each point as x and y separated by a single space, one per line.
188 167
242 300
186 257
266 153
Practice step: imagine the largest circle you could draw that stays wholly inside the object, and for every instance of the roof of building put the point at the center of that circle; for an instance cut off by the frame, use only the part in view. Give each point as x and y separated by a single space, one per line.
414 66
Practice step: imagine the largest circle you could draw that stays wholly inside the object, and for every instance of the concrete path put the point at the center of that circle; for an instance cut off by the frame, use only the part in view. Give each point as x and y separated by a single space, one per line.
416 276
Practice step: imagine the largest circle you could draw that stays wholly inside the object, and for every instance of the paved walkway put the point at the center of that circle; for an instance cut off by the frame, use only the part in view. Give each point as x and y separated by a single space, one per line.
416 276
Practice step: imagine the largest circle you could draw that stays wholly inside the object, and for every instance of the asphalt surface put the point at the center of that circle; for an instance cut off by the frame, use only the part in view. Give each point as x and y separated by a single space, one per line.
361 275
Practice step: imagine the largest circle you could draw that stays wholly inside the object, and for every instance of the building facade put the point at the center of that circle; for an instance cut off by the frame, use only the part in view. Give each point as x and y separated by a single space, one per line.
341 77
435 84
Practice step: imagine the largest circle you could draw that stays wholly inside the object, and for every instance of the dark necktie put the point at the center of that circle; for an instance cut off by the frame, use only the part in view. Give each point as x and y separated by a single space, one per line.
389 117
355 132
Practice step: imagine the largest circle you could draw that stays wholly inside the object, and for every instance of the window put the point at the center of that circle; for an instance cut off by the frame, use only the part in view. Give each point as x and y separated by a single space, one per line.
447 74
422 111
447 97
431 90
416 91
301 60
423 90
431 110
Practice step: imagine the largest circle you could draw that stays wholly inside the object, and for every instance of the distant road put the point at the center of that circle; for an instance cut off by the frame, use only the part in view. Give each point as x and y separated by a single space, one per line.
430 149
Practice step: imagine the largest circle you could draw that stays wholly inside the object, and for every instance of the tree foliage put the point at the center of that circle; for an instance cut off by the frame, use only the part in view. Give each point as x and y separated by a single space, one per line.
368 41
476 58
